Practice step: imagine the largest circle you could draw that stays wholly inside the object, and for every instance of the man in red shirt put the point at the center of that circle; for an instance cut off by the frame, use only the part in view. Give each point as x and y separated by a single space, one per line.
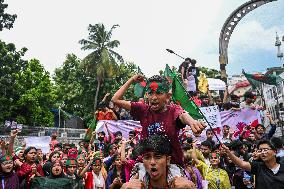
158 116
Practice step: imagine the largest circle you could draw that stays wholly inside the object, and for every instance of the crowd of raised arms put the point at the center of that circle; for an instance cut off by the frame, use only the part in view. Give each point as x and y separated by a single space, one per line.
159 157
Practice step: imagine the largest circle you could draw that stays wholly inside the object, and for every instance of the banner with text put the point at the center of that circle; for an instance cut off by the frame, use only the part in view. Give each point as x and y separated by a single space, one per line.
212 115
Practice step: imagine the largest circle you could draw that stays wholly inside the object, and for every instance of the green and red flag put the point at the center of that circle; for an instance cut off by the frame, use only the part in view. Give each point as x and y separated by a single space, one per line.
91 128
139 89
180 96
257 79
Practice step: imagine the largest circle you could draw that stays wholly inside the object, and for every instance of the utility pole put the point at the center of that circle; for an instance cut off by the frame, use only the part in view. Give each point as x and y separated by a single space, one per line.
279 56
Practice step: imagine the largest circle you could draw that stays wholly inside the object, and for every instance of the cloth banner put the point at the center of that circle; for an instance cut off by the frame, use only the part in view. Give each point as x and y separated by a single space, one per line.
237 120
212 115
216 84
39 142
121 125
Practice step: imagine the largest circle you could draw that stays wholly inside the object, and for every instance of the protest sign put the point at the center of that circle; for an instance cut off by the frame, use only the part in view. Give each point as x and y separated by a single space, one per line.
39 142
212 115
121 125
216 84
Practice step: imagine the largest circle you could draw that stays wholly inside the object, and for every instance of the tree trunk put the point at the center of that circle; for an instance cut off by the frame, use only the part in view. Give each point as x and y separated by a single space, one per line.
96 96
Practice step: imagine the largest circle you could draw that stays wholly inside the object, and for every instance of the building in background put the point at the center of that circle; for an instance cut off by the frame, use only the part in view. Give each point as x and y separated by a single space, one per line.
274 95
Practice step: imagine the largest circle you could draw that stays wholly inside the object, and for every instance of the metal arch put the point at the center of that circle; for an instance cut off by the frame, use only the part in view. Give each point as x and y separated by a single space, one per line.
228 29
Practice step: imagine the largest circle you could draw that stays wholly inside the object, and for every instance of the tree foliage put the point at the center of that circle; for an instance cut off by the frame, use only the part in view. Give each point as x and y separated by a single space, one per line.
103 61
6 20
10 67
210 73
37 95
75 88
26 90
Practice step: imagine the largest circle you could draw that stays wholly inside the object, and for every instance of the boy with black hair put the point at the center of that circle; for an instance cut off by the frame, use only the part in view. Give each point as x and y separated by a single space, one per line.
158 116
260 133
183 69
234 102
156 152
249 99
206 148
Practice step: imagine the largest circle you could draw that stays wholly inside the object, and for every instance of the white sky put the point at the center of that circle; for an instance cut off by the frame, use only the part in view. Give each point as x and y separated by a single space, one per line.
51 29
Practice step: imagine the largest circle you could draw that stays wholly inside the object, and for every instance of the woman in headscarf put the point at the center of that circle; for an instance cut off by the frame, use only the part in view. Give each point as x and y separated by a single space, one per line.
29 168
9 178
56 179
54 156
19 152
18 157
81 163
56 170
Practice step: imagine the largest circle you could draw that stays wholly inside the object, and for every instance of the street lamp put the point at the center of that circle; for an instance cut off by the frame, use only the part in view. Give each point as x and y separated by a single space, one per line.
280 56
278 45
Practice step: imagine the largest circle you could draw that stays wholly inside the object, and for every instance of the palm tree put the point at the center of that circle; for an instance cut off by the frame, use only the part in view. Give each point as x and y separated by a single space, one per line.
102 61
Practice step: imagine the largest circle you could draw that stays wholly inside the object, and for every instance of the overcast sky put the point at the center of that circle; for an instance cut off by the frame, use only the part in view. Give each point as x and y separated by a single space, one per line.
51 29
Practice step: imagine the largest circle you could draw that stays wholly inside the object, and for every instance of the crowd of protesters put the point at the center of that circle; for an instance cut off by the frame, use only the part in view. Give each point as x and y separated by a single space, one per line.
160 157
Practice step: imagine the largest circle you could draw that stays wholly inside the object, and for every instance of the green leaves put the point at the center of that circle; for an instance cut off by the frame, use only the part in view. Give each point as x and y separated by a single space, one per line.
102 61
6 20
28 94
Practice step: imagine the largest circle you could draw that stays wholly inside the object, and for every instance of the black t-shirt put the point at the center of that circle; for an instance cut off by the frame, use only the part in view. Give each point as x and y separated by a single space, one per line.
265 178
185 65
194 71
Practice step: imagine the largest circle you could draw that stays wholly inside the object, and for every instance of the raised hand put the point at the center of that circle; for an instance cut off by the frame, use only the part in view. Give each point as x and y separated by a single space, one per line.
197 127
182 183
224 149
34 170
137 78
133 184
14 133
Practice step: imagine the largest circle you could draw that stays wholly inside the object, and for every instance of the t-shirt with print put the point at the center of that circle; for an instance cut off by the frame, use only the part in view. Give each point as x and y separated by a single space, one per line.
265 178
166 122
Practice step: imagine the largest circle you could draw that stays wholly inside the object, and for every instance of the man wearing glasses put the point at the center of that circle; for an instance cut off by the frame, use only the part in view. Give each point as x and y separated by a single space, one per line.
268 172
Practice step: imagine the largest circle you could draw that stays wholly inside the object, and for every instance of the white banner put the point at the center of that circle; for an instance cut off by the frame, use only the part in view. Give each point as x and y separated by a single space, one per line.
212 115
39 142
216 84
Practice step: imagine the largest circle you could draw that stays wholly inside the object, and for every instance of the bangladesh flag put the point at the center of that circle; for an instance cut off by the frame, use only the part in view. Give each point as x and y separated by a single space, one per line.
180 96
92 127
257 79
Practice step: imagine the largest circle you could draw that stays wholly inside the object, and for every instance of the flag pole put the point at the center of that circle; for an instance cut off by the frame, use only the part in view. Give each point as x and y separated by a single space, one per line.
188 95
